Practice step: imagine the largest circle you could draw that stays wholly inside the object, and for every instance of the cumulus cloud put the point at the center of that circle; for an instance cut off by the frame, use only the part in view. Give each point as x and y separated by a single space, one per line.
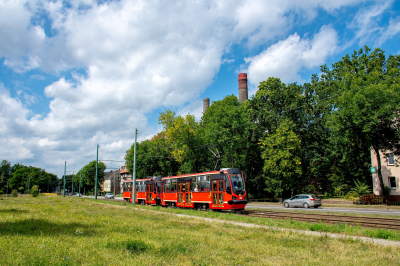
286 58
137 56
367 24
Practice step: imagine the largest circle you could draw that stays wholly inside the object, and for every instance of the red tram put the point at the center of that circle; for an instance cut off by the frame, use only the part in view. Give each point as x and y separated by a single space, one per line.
218 190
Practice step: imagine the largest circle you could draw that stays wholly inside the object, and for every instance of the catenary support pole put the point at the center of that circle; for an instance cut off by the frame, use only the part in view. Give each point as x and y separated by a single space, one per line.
80 182
134 171
97 160
114 182
65 170
72 184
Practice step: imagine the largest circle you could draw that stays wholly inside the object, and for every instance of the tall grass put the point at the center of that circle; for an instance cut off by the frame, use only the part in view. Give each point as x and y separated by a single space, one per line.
70 231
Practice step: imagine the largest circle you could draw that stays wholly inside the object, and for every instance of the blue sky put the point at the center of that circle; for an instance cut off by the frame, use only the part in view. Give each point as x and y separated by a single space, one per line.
74 74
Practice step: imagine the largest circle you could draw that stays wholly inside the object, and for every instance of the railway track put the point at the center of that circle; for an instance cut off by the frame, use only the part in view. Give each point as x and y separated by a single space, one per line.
363 221
370 222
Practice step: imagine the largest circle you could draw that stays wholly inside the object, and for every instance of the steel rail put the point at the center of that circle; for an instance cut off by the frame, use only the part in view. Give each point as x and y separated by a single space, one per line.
363 221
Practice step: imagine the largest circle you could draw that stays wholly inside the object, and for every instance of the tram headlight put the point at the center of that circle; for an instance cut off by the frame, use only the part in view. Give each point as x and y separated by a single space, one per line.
233 197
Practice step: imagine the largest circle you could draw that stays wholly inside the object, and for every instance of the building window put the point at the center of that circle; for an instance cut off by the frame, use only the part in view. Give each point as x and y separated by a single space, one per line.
392 182
390 159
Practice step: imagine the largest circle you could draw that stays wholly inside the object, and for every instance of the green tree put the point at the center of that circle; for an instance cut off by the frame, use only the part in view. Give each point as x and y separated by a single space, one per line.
184 135
5 169
89 176
154 158
282 159
366 109
224 127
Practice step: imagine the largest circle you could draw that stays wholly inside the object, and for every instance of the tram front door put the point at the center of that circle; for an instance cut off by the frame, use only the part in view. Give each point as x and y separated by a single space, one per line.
218 193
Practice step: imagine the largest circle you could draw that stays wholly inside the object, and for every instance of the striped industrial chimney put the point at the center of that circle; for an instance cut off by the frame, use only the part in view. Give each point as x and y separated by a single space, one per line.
206 104
243 96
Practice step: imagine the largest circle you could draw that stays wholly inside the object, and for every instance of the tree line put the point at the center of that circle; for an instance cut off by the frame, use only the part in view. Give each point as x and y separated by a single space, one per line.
21 178
291 138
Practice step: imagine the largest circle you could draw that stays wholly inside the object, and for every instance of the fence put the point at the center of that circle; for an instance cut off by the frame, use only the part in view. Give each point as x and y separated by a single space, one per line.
377 200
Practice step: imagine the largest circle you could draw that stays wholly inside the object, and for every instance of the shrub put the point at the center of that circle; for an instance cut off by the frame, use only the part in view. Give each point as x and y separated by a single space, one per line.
352 195
35 191
361 188
14 193
339 190
1 192
21 189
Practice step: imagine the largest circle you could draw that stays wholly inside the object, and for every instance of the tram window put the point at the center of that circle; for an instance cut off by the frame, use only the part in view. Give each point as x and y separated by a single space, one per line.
205 183
143 187
227 184
167 186
195 182
173 185
127 186
221 185
214 185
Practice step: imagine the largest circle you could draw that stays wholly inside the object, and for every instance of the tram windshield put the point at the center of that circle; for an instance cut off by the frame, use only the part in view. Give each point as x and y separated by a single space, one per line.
237 183
128 186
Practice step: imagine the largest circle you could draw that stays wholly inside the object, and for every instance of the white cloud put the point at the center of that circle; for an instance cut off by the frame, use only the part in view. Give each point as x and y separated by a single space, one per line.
286 58
366 23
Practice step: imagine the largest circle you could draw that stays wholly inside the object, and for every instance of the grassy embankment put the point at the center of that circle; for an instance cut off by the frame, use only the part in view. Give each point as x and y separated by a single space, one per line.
71 231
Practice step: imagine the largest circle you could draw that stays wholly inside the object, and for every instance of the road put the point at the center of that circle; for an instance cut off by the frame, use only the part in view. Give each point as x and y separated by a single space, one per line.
369 210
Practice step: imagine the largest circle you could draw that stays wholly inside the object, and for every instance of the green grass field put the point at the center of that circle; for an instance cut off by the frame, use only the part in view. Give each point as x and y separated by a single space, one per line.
72 231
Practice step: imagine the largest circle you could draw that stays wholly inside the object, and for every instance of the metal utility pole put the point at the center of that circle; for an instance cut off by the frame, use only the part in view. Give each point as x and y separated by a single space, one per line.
134 172
97 160
65 170
114 182
72 183
80 181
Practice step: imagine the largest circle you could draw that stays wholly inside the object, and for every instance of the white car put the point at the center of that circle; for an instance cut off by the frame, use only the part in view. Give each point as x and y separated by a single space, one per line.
109 196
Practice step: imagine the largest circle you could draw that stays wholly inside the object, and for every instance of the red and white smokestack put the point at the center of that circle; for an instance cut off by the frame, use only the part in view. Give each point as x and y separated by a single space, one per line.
206 104
243 96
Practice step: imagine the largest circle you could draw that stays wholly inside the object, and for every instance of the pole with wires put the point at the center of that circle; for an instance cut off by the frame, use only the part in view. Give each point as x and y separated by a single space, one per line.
80 182
134 171
72 184
97 160
65 170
